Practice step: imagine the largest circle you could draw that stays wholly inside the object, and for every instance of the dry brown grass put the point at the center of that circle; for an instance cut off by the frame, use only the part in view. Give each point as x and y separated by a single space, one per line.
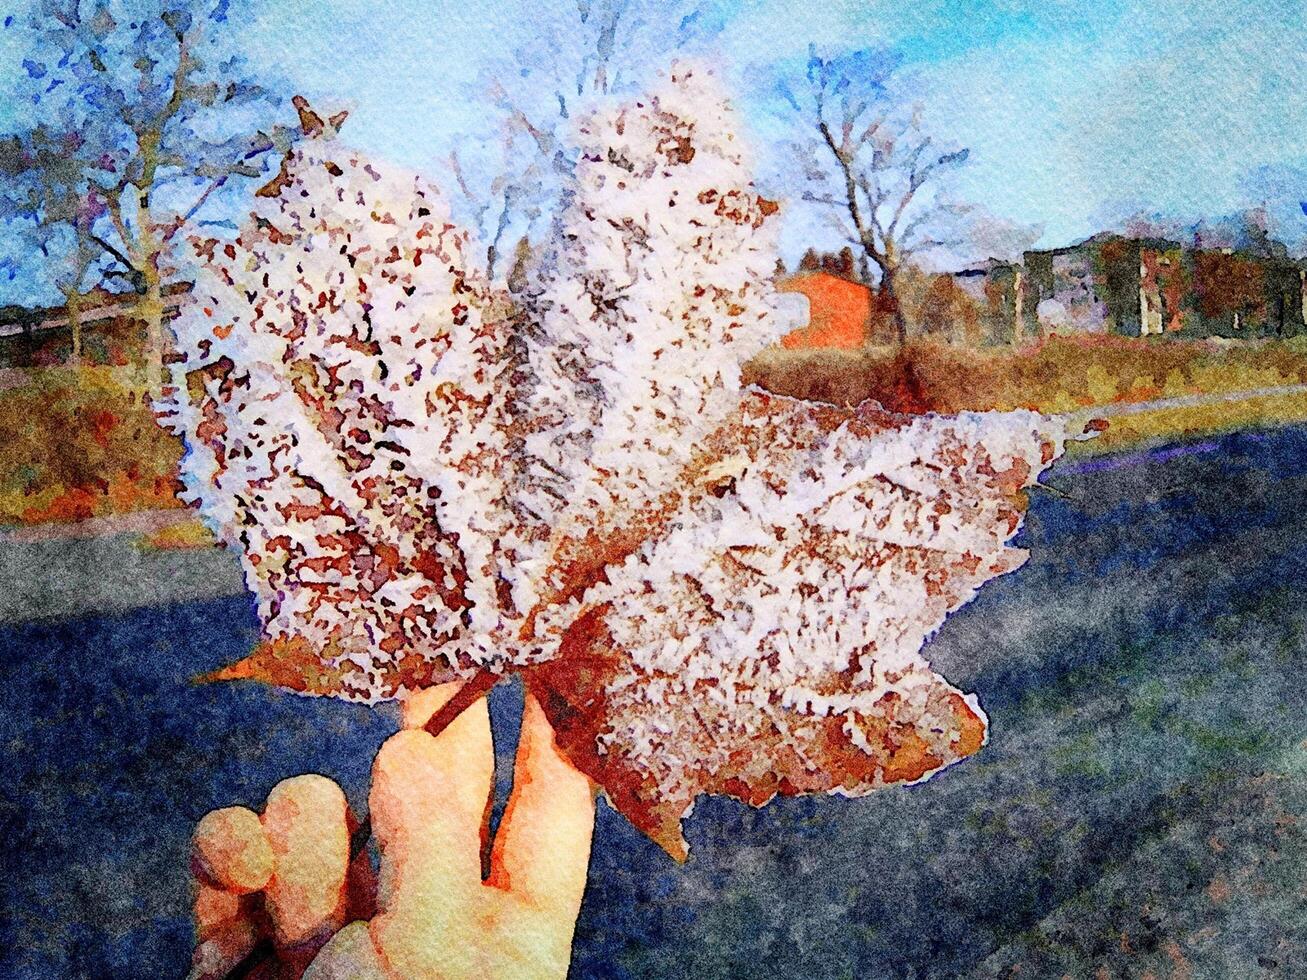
1058 375
81 442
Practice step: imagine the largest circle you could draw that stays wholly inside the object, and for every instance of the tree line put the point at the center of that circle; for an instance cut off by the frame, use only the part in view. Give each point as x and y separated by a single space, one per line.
142 122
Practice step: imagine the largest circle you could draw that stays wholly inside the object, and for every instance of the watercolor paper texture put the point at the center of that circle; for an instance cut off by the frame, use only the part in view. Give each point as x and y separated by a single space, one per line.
641 489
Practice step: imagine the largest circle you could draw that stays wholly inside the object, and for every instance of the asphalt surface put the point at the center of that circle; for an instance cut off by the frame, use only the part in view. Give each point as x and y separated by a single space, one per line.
1139 810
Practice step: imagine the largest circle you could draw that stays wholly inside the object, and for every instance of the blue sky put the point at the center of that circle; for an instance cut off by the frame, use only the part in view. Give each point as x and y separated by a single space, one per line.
1077 113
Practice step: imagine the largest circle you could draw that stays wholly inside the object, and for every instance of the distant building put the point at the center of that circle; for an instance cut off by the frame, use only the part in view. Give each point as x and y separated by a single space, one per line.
1144 286
1238 294
839 311
40 337
994 290
1105 284
99 306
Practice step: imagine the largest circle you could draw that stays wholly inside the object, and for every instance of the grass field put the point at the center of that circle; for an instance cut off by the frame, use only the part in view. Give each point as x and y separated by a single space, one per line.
79 443
1060 375
82 442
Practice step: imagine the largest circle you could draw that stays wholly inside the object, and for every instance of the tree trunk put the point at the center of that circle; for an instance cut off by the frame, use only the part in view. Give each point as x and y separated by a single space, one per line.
1019 312
150 249
149 309
73 305
890 299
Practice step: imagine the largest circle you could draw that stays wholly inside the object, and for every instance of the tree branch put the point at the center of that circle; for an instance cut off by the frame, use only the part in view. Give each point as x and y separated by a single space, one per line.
218 182
178 82
850 182
822 199
876 198
113 203
460 179
176 224
118 256
929 244
916 223
492 253
916 178
872 129
542 139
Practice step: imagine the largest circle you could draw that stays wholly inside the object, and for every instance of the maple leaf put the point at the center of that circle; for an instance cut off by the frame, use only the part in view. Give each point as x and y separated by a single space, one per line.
340 396
710 589
766 637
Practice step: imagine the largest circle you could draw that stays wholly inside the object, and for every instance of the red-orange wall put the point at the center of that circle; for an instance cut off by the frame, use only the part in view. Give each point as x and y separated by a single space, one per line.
839 311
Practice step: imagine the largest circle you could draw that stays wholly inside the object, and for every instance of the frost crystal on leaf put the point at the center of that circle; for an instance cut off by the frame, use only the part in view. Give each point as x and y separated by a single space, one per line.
709 589
660 290
767 638
339 391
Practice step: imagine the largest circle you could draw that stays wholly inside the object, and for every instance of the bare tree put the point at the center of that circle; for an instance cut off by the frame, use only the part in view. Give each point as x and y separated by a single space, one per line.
515 175
504 194
870 162
45 210
154 117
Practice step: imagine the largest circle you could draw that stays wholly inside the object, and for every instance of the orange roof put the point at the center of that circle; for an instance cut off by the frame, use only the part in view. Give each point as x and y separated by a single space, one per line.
839 311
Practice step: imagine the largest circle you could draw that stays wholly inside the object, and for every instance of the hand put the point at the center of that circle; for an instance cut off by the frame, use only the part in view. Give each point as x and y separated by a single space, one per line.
285 877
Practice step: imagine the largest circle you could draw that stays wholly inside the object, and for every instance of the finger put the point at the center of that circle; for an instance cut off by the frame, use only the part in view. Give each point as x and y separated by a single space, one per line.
307 826
231 851
219 952
428 796
350 955
216 910
421 707
429 793
542 849
231 858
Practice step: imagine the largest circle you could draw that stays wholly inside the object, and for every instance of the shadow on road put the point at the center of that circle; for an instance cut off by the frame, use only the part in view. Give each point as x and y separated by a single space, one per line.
1135 809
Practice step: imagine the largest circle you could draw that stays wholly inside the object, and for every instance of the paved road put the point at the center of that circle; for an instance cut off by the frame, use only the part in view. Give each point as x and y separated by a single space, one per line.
1139 810
98 567
1189 401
